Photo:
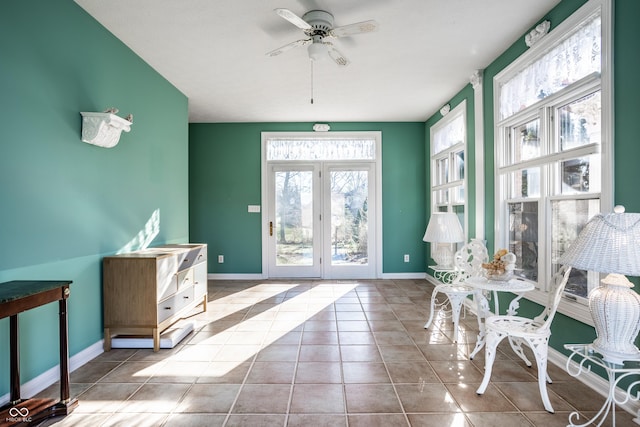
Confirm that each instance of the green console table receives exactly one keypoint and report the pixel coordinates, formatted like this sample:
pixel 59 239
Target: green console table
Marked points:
pixel 16 297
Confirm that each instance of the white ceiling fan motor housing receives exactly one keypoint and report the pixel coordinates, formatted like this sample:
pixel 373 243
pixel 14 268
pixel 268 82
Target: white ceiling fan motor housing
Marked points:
pixel 321 23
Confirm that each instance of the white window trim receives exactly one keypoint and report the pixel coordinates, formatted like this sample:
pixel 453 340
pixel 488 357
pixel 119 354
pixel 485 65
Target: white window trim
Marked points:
pixel 459 110
pixel 568 306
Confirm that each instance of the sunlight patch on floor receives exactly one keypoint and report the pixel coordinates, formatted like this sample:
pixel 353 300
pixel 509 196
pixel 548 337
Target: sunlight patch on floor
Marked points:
pixel 293 310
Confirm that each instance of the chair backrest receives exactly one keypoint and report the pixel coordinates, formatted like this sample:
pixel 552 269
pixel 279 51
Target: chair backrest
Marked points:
pixel 555 294
pixel 468 259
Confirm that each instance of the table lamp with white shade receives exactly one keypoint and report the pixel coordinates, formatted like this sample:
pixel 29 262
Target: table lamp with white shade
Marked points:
pixel 443 229
pixel 611 244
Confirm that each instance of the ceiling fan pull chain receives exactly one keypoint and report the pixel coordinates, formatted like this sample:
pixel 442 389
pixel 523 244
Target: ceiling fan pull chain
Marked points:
pixel 311 81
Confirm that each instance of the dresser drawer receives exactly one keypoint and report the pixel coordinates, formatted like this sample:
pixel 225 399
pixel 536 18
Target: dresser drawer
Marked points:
pixel 186 278
pixel 165 276
pixel 174 304
pixel 193 256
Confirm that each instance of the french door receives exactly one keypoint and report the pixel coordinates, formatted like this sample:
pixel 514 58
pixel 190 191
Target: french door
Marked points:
pixel 321 218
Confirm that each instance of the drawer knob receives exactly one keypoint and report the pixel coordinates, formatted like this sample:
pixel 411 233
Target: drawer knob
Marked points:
pixel 167 308
pixel 185 297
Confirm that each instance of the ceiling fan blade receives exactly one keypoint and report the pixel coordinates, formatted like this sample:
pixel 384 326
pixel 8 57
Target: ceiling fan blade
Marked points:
pixel 293 18
pixel 352 29
pixel 338 57
pixel 289 46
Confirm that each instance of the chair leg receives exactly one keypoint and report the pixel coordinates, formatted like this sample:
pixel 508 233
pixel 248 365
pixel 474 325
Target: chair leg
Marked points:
pixel 433 309
pixel 490 349
pixel 540 349
pixel 456 306
pixel 516 346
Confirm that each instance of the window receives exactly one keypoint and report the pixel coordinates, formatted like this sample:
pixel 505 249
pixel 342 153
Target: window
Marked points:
pixel 448 177
pixel 321 148
pixel 552 143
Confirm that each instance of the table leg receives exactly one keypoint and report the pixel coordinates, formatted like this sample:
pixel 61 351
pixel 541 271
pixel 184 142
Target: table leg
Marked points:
pixel 64 353
pixel 609 404
pixel 14 357
pixel 107 339
pixel 482 310
pixel 156 339
pixel 66 405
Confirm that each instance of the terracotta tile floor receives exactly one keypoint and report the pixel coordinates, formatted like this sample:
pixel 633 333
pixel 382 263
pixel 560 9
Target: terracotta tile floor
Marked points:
pixel 320 353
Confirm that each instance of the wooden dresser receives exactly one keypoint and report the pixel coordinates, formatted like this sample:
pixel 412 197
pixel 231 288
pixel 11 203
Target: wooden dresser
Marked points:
pixel 146 291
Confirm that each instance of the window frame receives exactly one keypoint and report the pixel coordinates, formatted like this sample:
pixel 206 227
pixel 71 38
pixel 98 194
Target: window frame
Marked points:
pixel 546 110
pixel 450 153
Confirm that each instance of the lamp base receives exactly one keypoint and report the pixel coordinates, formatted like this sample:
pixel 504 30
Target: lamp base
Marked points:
pixel 443 255
pixel 615 310
pixel 615 357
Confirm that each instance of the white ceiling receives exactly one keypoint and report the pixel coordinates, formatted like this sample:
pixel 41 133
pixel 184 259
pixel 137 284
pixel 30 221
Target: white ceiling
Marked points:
pixel 214 52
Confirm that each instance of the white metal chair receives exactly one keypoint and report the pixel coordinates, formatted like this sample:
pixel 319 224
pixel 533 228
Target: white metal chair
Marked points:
pixel 467 263
pixel 534 333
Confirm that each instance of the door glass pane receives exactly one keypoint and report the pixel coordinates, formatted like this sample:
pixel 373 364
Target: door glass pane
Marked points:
pixel 294 218
pixel 523 238
pixel 349 217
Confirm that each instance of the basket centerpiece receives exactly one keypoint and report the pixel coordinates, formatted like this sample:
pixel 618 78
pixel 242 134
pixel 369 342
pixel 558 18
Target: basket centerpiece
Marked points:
pixel 501 267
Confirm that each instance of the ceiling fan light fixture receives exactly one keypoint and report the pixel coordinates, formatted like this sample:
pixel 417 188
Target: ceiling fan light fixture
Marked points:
pixel 317 51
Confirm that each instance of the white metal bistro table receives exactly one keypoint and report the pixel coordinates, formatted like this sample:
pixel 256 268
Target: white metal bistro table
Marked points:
pixel 482 285
pixel 581 359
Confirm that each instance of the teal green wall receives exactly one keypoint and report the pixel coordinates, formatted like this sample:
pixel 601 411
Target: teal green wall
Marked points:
pixel 65 203
pixel 626 128
pixel 224 178
pixel 626 64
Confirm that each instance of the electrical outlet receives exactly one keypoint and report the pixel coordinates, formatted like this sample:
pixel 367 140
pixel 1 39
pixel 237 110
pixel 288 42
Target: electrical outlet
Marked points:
pixel 220 259
pixel 406 257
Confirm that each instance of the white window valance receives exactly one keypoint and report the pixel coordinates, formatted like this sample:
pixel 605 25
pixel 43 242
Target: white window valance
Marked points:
pixel 449 135
pixel 567 62
pixel 320 149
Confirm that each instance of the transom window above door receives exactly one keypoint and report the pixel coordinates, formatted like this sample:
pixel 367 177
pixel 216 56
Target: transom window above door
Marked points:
pixel 321 148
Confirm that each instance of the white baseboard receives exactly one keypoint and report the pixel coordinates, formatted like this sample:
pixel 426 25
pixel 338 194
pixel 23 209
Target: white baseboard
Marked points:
pixel 404 275
pixel 218 276
pixel 44 380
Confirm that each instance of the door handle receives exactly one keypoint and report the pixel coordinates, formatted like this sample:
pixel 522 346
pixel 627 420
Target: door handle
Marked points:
pixel 270 228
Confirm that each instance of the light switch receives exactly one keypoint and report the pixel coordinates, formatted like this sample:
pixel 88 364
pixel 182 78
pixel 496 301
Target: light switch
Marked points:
pixel 253 208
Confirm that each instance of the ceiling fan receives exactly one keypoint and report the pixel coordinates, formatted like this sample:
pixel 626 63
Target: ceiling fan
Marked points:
pixel 317 25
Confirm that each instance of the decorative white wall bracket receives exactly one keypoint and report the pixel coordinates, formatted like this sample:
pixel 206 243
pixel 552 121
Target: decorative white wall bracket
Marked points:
pixel 104 129
pixel 537 33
